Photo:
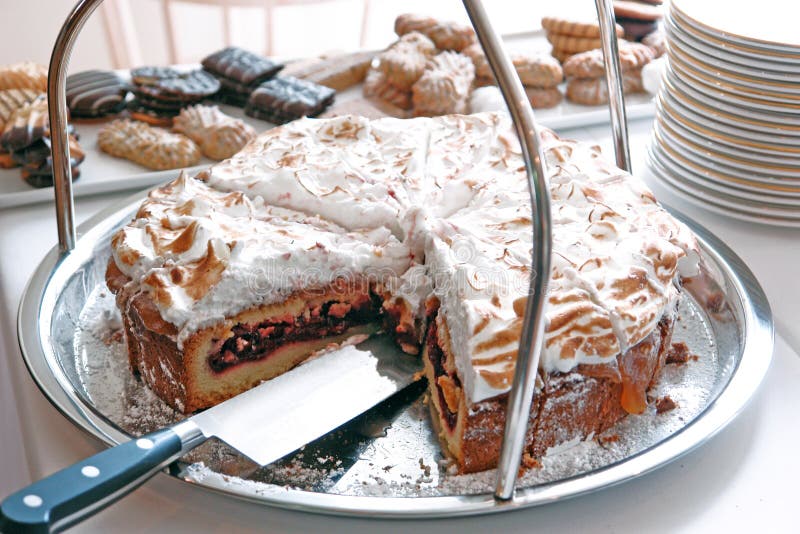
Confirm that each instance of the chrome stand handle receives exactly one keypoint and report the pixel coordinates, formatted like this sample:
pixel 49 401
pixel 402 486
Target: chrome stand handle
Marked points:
pixel 530 343
pixel 616 98
pixel 531 338
pixel 57 109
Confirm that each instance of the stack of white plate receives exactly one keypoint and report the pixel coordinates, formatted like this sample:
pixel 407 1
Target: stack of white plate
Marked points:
pixel 727 129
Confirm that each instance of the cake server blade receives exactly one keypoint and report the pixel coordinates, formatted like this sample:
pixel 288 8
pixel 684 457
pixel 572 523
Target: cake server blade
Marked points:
pixel 283 414
pixel 264 423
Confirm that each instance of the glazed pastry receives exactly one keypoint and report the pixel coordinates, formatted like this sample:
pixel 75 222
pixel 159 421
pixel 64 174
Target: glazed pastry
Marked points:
pixel 445 35
pixel 544 97
pixel 534 69
pixel 150 147
pixel 445 85
pixel 404 62
pixel 376 85
pixel 218 135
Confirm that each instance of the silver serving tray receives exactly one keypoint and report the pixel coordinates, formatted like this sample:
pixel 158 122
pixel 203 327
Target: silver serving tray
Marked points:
pixel 388 464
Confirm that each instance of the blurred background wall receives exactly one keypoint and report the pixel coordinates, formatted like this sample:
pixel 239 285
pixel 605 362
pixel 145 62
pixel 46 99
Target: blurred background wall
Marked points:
pixel 126 33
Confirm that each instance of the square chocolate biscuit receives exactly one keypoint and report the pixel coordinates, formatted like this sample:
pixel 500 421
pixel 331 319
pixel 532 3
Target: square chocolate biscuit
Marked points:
pixel 240 66
pixel 281 100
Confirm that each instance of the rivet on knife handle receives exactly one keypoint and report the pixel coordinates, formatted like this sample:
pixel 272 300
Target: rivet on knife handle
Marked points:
pixel 70 495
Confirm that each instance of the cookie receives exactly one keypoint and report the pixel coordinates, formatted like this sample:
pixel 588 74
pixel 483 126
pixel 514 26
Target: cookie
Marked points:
pixel 376 86
pixel 404 62
pixel 95 93
pixel 479 61
pixel 534 69
pixel 150 147
pixel 238 100
pixel 538 70
pixel 219 136
pixel 37 162
pixel 593 91
pixel 26 125
pixel 241 66
pixel 164 83
pixel 25 75
pixel 39 153
pixel 657 41
pixel 152 116
pixel 543 97
pixel 591 65
pixel 165 104
pixel 13 99
pixel 575 28
pixel 561 57
pixel 232 93
pixel 569 43
pixel 444 86
pixel 283 99
pixel 445 35
pixel 637 11
pixel 359 107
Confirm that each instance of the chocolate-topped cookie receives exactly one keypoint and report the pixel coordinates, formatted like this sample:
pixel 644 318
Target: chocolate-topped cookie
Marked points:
pixel 43 177
pixel 150 115
pixel 149 75
pixel 96 93
pixel 187 86
pixel 26 125
pixel 13 99
pixel 240 66
pixel 37 161
pixel 281 100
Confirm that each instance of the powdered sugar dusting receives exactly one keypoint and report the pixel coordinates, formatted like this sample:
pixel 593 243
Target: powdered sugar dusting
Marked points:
pixel 392 450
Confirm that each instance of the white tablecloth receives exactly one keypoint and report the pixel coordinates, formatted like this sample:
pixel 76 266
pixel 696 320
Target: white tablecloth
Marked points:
pixel 744 479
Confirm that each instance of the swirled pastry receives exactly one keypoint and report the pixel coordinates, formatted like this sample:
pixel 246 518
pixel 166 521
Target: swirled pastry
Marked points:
pixel 444 86
pixel 445 35
pixel 219 136
pixel 404 62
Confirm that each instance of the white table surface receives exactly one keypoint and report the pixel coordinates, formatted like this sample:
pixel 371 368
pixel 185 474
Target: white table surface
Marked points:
pixel 744 479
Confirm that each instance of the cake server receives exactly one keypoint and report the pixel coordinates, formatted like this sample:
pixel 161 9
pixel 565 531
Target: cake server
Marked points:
pixel 264 423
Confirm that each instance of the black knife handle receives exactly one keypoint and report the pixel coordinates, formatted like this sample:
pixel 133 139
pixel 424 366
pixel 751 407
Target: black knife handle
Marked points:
pixel 76 492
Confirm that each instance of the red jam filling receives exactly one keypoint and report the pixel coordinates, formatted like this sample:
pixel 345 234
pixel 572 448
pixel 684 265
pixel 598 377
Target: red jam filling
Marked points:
pixel 251 342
